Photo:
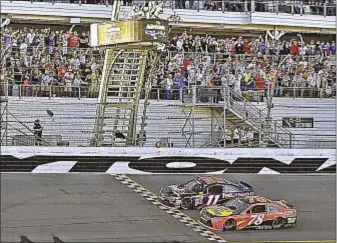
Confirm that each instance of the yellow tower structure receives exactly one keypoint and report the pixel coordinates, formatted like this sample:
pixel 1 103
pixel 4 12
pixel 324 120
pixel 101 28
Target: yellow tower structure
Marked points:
pixel 128 44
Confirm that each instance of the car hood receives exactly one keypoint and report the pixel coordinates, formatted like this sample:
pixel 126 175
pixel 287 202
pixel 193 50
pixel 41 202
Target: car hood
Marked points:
pixel 219 211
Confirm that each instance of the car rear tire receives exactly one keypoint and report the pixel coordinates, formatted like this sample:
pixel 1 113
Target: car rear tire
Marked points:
pixel 186 203
pixel 230 224
pixel 278 223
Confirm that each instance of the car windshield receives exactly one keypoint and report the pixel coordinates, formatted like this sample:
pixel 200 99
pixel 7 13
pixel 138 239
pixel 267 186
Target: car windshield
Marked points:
pixel 193 185
pixel 237 205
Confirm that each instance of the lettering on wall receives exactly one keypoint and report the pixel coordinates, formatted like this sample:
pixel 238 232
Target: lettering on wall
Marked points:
pixel 158 164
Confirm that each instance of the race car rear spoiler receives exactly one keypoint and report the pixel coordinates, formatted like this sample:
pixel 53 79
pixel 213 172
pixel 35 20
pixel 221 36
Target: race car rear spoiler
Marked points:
pixel 246 185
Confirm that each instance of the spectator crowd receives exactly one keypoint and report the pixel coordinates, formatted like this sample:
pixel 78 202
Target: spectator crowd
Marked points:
pixel 249 65
pixel 37 58
pixel 44 62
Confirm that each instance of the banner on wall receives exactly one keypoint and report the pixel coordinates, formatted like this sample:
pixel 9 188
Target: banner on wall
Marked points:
pixel 133 31
pixel 151 160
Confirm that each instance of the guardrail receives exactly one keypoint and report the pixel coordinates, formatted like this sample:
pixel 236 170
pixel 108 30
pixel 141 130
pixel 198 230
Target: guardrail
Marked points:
pixel 301 7
pixel 156 93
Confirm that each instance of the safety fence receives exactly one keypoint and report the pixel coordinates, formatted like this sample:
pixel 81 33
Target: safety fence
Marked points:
pixel 197 120
pixel 157 93
pixel 301 7
pixel 217 56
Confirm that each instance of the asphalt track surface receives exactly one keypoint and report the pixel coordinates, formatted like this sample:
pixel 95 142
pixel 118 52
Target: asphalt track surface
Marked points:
pixel 82 208
pixel 98 208
pixel 313 196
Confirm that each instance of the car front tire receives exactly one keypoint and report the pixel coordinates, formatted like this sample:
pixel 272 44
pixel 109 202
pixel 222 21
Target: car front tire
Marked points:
pixel 187 203
pixel 230 224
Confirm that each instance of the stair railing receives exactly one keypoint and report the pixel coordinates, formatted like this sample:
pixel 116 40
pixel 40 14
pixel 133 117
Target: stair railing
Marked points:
pixel 270 129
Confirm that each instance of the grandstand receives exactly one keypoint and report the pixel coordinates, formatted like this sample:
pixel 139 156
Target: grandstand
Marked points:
pixel 241 85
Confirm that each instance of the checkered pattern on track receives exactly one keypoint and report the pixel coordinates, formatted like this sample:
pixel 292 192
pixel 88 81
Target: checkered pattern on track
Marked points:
pixel 173 212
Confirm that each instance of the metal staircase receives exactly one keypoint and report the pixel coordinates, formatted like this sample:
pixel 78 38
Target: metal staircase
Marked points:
pixel 240 111
pixel 116 116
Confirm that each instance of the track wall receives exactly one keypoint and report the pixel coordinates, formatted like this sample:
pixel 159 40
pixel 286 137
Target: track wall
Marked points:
pixel 166 160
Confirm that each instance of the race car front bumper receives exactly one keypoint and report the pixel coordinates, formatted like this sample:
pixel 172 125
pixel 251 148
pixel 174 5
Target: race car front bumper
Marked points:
pixel 206 222
pixel 170 201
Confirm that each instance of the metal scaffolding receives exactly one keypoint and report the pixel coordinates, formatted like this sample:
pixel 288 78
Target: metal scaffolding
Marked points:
pixel 230 116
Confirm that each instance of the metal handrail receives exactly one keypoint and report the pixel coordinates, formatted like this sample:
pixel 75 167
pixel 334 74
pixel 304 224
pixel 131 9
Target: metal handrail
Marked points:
pixel 213 55
pixel 252 112
pixel 78 91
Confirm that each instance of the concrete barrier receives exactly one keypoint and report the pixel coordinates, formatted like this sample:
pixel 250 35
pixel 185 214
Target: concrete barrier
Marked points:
pixel 166 160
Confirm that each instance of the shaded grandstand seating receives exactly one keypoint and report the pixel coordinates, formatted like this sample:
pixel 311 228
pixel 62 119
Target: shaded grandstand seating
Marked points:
pixel 323 115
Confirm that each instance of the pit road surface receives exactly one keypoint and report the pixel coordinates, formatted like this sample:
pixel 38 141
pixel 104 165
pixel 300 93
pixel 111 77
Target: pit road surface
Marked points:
pixel 82 208
pixel 314 197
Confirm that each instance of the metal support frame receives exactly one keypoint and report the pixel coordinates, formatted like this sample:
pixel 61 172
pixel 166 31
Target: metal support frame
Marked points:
pixel 133 125
pixel 148 87
pixel 99 123
pixel 258 120
pixel 4 120
pixel 124 102
pixel 216 124
pixel 218 117
pixel 187 134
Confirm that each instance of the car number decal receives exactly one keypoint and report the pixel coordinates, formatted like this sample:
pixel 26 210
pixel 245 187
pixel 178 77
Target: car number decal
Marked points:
pixel 210 199
pixel 256 219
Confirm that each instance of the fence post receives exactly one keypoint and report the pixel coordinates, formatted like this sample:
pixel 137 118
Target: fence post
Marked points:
pixel 49 91
pixel 20 91
pixel 7 89
pixel 275 128
pixel 194 94
pixel 158 94
pixel 246 6
pixel 261 128
pixel 252 8
pixel 181 95
pixel 79 92
pixel 325 8
pixel 277 7
pixel 301 8
pixel 320 93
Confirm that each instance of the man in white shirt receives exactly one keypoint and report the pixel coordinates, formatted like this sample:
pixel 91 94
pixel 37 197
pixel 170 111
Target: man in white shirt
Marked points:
pixel 23 48
pixel 68 80
pixel 168 83
pixel 191 73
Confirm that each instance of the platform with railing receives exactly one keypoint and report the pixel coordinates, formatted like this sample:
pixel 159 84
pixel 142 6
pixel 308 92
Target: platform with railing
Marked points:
pixel 302 7
pixel 156 93
pixel 311 17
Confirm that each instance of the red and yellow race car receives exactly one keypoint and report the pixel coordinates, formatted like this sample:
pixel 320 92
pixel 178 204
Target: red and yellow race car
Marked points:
pixel 250 212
